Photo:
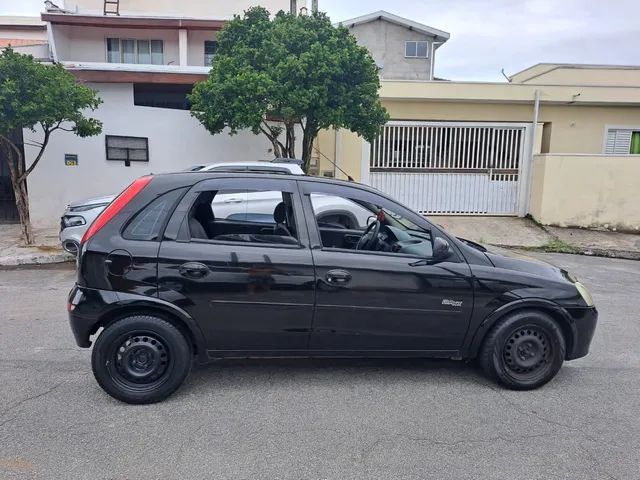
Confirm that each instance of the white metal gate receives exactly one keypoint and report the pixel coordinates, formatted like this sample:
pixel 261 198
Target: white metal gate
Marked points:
pixel 449 168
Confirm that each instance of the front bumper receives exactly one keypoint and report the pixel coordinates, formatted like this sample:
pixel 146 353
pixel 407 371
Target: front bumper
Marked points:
pixel 583 326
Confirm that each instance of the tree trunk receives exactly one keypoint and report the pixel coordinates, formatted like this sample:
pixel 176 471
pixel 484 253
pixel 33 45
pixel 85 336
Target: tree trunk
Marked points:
pixel 14 162
pixel 291 140
pixel 310 134
pixel 22 204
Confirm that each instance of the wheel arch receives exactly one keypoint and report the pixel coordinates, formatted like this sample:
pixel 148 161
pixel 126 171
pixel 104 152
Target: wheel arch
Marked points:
pixel 177 318
pixel 555 311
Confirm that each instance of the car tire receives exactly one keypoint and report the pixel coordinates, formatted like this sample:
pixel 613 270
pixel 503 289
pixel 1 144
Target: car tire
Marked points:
pixel 141 359
pixel 523 351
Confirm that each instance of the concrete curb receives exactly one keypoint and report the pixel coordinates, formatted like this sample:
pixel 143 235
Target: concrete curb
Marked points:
pixel 28 259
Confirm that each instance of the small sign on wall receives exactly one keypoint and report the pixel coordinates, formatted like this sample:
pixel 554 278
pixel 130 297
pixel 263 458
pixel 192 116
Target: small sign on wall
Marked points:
pixel 70 160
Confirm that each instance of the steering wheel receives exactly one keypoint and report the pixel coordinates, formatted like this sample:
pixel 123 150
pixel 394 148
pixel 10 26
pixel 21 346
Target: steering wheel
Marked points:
pixel 369 238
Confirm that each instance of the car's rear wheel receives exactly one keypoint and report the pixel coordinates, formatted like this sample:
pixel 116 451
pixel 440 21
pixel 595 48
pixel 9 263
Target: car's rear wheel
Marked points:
pixel 524 350
pixel 141 359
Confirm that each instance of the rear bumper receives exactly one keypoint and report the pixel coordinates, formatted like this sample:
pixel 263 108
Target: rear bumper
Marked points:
pixel 86 306
pixel 583 327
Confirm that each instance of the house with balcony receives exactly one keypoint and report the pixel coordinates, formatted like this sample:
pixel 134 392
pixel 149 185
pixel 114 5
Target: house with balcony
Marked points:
pixel 143 58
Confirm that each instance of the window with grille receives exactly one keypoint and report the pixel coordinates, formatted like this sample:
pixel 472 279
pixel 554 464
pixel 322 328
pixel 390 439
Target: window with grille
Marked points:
pixel 127 149
pixel 622 141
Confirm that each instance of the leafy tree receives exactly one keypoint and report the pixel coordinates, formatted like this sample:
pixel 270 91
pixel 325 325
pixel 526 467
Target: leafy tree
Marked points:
pixel 275 75
pixel 38 97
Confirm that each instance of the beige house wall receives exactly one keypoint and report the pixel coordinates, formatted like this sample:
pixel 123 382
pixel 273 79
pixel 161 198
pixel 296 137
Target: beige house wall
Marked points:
pixel 326 143
pixel 13 34
pixel 567 128
pixel 586 191
pixel 550 74
pixel 572 182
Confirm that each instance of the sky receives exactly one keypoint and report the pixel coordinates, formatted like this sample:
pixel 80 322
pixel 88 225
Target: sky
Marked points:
pixel 490 35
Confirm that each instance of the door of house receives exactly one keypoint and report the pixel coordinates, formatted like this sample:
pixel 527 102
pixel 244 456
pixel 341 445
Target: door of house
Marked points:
pixel 451 168
pixel 8 210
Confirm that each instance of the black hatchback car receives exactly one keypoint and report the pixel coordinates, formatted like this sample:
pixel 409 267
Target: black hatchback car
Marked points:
pixel 208 266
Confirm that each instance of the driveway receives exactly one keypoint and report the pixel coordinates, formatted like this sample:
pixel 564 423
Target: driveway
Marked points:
pixel 414 419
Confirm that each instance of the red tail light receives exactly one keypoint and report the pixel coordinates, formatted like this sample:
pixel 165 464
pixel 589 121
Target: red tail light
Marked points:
pixel 115 207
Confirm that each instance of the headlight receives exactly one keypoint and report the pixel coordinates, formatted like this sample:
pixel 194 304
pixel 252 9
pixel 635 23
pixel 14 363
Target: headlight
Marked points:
pixel 73 221
pixel 586 296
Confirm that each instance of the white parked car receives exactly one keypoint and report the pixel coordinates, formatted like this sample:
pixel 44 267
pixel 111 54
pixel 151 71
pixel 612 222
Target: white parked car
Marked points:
pixel 255 207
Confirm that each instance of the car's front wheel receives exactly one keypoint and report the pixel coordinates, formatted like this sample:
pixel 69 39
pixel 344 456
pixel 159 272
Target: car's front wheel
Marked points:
pixel 141 359
pixel 524 350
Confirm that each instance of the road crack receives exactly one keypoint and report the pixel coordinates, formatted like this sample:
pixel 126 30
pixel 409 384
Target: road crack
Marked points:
pixel 28 399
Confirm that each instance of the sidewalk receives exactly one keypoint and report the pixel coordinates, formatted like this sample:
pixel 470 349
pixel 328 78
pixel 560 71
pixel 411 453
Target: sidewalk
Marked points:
pixel 512 232
pixel 508 232
pixel 46 251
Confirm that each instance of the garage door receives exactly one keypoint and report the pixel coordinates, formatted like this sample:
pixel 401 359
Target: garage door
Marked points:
pixel 451 168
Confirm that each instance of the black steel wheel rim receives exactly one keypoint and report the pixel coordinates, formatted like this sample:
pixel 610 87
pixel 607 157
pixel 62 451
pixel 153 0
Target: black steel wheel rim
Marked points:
pixel 140 361
pixel 527 352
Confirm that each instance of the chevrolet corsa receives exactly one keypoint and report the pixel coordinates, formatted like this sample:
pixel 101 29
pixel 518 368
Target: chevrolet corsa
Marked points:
pixel 168 275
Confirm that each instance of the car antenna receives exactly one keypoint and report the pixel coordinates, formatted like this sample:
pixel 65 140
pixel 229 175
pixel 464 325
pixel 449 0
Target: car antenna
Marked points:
pixel 349 177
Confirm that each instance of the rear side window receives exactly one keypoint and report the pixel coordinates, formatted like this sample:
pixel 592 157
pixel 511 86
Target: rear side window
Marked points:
pixel 149 221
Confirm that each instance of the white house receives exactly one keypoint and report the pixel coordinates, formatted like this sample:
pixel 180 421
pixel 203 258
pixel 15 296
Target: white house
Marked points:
pixel 142 57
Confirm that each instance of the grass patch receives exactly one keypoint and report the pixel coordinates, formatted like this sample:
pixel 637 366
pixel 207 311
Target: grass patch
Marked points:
pixel 559 246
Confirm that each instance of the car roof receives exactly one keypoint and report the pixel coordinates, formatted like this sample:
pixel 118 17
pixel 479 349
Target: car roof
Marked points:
pixel 275 167
pixel 197 177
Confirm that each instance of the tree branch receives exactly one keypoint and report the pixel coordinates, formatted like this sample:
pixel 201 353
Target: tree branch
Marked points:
pixel 274 139
pixel 47 133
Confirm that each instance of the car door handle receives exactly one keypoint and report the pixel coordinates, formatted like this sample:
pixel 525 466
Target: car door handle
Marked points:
pixel 194 270
pixel 233 200
pixel 338 277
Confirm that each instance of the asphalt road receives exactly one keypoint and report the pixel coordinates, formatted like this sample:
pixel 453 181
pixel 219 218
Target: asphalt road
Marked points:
pixel 315 420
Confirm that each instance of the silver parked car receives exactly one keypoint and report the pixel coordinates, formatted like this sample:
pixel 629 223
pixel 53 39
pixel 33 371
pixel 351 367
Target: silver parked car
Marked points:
pixel 79 215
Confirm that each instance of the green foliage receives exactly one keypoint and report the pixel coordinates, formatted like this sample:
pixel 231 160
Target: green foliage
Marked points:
pixel 32 94
pixel 300 70
pixel 560 246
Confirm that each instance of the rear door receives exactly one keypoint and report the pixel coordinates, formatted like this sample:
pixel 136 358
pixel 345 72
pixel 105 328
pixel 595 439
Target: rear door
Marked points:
pixel 253 296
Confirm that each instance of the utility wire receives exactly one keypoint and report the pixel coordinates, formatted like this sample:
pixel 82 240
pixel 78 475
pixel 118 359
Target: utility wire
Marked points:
pixel 349 177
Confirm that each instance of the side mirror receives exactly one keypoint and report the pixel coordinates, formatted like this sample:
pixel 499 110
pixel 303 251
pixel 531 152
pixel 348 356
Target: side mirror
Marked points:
pixel 371 219
pixel 441 250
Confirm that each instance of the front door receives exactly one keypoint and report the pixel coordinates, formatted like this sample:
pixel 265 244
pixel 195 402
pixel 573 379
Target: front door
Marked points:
pixel 248 280
pixel 383 296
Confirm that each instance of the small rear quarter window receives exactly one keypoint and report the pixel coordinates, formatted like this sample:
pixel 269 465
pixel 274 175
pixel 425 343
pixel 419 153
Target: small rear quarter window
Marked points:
pixel 148 222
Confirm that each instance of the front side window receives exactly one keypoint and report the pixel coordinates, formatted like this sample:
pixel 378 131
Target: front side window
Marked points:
pixel 244 216
pixel 146 52
pixel 415 49
pixel 356 225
